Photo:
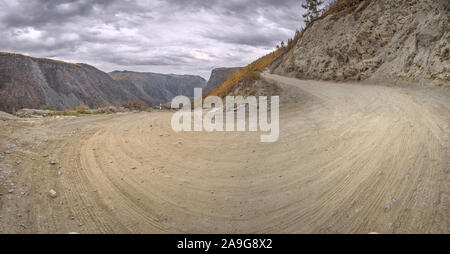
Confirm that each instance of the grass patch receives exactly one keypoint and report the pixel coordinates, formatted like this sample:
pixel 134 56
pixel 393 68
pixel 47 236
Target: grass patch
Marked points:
pixel 69 113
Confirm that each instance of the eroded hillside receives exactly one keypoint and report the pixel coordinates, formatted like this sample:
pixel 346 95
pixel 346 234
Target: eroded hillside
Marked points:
pixel 28 82
pixel 404 41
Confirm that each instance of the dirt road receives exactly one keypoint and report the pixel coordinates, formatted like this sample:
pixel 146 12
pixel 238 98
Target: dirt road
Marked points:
pixel 351 158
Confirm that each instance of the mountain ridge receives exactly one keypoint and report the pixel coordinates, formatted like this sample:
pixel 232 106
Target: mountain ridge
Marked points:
pixel 32 82
pixel 157 88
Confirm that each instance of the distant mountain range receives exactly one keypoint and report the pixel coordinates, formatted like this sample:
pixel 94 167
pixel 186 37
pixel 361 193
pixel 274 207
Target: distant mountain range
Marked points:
pixel 29 82
pixel 155 88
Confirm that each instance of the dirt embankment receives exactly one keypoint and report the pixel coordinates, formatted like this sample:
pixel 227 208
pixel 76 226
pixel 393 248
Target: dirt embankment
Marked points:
pixel 377 160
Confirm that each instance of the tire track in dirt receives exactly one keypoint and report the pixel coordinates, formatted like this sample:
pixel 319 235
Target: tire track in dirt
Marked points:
pixel 351 158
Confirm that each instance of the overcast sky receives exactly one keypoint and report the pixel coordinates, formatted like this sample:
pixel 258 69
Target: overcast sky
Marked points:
pixel 166 36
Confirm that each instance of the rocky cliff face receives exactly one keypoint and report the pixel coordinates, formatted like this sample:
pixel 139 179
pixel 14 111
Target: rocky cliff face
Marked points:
pixel 403 41
pixel 27 82
pixel 154 88
pixel 218 76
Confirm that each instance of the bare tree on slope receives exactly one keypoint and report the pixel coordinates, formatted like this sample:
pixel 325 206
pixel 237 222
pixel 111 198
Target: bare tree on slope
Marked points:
pixel 312 10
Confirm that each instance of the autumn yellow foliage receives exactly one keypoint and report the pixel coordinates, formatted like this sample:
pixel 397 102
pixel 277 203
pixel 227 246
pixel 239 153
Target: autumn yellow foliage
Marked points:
pixel 250 72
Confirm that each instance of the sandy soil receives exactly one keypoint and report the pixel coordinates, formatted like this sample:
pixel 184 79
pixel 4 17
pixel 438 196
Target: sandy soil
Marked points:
pixel 351 158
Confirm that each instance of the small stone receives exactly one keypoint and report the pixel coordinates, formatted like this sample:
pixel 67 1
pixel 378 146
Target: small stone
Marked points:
pixel 46 156
pixel 133 168
pixel 11 191
pixel 59 173
pixel 18 162
pixel 52 193
pixel 73 233
pixel 387 207
pixel 53 162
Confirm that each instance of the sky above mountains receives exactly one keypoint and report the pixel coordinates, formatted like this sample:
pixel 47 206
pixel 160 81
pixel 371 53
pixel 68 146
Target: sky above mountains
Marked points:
pixel 167 36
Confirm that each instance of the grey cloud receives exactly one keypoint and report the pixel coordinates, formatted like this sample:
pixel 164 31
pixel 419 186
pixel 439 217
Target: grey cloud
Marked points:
pixel 41 12
pixel 246 38
pixel 172 36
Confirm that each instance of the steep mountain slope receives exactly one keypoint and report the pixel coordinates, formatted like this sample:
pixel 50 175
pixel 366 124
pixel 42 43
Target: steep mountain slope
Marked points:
pixel 244 78
pixel 218 76
pixel 27 82
pixel 404 41
pixel 154 88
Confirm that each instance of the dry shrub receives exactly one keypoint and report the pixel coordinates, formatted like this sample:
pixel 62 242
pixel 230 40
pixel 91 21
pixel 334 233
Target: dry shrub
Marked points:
pixel 82 109
pixel 135 105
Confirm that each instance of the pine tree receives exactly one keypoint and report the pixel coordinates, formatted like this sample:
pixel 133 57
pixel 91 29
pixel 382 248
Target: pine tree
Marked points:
pixel 312 10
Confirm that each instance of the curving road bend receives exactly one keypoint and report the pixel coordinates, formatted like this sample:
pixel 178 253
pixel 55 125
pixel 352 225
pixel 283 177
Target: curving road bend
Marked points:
pixel 351 158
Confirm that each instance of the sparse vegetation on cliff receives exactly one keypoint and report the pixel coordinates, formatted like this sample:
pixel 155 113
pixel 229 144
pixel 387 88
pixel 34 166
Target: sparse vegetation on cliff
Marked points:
pixel 250 72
